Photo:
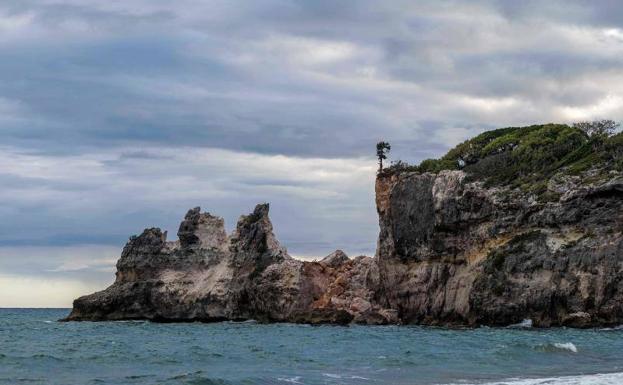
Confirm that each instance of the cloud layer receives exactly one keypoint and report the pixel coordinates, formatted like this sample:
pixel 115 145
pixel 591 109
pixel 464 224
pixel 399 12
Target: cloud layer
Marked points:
pixel 120 115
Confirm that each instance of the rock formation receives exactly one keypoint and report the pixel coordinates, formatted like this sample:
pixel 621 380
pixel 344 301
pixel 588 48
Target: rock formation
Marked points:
pixel 208 276
pixel 455 253
pixel 453 249
pixel 450 252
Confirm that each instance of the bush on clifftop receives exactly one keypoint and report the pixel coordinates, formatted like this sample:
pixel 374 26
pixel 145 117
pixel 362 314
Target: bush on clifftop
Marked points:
pixel 526 156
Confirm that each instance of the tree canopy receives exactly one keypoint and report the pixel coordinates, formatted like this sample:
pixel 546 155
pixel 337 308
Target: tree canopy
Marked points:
pixel 382 148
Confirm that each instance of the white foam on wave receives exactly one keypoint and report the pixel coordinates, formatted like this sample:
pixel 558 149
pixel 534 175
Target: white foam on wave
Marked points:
pixel 331 375
pixel 591 379
pixel 620 327
pixel 291 380
pixel 343 376
pixel 527 323
pixel 557 347
pixel 566 346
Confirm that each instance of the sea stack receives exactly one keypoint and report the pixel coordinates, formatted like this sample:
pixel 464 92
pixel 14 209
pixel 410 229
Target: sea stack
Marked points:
pixel 209 276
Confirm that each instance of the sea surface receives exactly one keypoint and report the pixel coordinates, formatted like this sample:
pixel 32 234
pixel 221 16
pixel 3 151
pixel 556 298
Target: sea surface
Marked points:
pixel 36 349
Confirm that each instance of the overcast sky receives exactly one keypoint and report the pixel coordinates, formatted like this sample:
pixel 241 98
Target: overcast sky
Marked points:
pixel 119 115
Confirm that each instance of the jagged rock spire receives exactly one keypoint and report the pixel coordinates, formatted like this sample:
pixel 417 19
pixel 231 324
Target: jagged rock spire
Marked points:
pixel 202 230
pixel 335 259
pixel 254 232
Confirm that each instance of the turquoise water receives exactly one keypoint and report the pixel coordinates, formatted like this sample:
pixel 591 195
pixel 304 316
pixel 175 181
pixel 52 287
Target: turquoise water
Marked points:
pixel 35 349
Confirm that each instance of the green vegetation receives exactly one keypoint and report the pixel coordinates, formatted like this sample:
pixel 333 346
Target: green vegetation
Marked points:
pixel 526 157
pixel 382 148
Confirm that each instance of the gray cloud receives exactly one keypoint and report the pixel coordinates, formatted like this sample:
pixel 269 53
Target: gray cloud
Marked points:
pixel 289 75
pixel 105 196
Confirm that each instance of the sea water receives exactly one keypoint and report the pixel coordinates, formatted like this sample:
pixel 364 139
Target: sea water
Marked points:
pixel 36 349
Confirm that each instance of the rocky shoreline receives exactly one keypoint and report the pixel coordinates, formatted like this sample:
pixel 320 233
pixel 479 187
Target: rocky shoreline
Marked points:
pixel 450 252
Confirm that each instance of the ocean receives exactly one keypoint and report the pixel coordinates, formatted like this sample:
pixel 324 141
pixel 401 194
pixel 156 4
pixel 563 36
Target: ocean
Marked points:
pixel 36 349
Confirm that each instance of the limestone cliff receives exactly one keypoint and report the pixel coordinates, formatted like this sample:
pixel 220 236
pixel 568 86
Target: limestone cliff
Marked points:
pixel 515 224
pixel 452 252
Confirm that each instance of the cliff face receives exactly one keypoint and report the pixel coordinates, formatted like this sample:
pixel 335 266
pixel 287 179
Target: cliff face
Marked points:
pixel 452 252
pixel 210 276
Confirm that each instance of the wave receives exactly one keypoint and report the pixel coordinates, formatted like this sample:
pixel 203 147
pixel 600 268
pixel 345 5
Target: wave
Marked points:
pixel 590 379
pixel 291 380
pixel 342 376
pixel 525 324
pixel 615 328
pixel 197 378
pixel 44 356
pixel 558 347
pixel 566 346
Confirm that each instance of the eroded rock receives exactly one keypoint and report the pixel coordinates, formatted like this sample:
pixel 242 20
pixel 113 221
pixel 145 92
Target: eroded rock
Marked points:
pixel 208 276
pixel 455 253
pixel 449 252
pixel 335 259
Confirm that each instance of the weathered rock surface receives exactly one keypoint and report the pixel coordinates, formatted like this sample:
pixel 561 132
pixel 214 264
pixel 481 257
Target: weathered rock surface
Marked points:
pixel 208 276
pixel 450 252
pixel 455 253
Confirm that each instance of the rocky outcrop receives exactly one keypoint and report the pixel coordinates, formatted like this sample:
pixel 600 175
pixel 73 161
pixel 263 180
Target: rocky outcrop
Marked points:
pixel 335 259
pixel 455 253
pixel 449 252
pixel 209 276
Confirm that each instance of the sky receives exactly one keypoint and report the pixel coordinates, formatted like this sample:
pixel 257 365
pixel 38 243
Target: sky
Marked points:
pixel 121 115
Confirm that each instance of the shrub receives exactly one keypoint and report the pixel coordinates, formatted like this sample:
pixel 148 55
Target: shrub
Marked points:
pixel 527 157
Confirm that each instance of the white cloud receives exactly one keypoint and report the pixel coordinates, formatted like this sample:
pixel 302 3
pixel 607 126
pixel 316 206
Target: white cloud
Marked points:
pixel 305 51
pixel 453 134
pixel 26 291
pixel 615 33
pixel 53 276
pixel 162 174
pixel 610 105
pixel 38 260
